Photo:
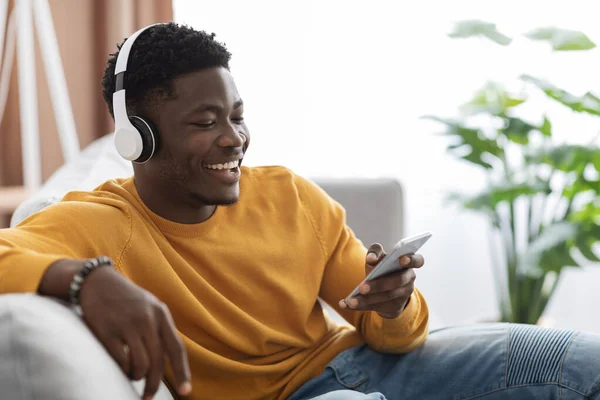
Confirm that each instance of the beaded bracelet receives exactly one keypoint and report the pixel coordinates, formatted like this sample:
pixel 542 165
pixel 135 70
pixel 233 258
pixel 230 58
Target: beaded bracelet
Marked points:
pixel 77 282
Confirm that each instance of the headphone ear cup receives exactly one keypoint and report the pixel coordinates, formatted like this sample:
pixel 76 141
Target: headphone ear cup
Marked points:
pixel 148 138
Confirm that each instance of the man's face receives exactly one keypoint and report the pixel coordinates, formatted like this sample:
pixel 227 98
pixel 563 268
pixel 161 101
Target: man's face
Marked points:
pixel 202 139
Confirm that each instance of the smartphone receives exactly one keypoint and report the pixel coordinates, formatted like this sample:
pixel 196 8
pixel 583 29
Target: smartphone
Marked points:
pixel 391 263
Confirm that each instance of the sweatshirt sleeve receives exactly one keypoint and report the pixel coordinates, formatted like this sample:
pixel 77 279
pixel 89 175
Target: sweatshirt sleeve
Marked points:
pixel 67 230
pixel 344 257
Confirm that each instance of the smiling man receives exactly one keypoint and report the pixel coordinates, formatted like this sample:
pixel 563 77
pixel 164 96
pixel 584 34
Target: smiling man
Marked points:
pixel 217 268
pixel 202 143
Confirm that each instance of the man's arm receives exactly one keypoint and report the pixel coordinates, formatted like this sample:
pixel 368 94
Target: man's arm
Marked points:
pixel 64 231
pixel 345 268
pixel 46 251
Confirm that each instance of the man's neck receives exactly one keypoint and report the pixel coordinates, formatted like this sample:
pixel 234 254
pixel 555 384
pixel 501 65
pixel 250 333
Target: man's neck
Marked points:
pixel 173 209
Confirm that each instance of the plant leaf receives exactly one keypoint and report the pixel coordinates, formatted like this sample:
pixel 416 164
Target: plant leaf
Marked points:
pixel 584 244
pixel 580 185
pixel 492 98
pixel 540 34
pixel 511 192
pixel 596 160
pixel 475 156
pixel 476 28
pixel 549 251
pixel 469 141
pixel 567 157
pixel 517 130
pixel 489 199
pixel 588 103
pixel 479 203
pixel 442 120
pixel 557 258
pixel 562 39
pixel 546 128
pixel 588 214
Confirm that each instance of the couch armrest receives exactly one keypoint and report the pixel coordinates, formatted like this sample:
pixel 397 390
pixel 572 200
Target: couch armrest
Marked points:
pixel 47 352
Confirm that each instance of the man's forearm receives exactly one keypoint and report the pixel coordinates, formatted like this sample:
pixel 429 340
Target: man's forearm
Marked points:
pixel 21 270
pixel 55 282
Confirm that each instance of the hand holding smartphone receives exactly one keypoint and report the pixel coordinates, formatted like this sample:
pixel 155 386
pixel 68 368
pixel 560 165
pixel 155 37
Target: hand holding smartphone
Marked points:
pixel 390 262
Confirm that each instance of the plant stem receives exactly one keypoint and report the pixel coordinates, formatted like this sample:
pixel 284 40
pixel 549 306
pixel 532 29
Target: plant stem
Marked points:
pixel 518 289
pixel 501 293
pixel 530 219
pixel 568 209
pixel 510 242
pixel 556 215
pixel 535 309
pixel 511 284
pixel 539 223
pixel 546 298
pixel 544 203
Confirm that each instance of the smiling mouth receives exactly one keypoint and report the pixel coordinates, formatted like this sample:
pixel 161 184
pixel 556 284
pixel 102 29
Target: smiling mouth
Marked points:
pixel 231 165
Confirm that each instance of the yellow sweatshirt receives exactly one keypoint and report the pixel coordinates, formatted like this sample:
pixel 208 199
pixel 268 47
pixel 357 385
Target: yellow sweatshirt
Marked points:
pixel 242 286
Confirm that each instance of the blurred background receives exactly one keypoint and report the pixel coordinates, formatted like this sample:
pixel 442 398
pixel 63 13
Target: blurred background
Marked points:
pixel 340 88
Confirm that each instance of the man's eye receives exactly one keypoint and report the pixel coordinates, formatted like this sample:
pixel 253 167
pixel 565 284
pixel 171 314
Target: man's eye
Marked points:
pixel 239 120
pixel 204 124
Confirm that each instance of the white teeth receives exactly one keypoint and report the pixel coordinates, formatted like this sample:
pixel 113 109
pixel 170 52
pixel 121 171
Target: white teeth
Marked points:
pixel 228 165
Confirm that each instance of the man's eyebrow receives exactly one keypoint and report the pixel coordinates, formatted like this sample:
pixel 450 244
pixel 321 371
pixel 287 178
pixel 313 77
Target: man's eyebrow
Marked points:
pixel 213 107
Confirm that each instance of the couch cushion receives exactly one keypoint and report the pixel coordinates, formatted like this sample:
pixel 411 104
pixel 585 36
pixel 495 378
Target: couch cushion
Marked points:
pixel 48 353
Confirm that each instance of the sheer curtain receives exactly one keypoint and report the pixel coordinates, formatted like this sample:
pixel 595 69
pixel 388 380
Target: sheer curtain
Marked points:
pixel 336 88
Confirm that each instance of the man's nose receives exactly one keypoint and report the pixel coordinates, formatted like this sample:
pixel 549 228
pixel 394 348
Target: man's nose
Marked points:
pixel 232 136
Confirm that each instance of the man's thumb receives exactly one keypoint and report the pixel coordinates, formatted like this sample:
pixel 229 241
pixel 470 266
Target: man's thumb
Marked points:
pixel 374 255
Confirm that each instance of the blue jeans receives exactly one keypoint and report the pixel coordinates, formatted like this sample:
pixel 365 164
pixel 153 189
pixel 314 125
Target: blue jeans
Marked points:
pixel 484 361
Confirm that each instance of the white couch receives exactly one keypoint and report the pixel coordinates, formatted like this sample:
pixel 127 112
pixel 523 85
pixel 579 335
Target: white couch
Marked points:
pixel 48 353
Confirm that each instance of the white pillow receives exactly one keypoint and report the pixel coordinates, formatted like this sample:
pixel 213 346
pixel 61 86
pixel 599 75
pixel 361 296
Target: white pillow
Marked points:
pixel 48 353
pixel 96 164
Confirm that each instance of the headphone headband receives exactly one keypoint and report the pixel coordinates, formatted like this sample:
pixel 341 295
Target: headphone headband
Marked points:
pixel 129 140
pixel 123 56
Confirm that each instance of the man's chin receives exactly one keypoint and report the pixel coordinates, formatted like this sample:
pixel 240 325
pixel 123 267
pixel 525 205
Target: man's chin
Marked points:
pixel 225 202
pixel 216 200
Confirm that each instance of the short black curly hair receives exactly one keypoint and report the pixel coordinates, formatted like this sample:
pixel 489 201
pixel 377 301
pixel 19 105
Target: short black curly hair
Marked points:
pixel 159 55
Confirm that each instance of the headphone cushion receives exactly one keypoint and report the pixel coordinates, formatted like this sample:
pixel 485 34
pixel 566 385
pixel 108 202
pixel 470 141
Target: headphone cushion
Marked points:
pixel 148 137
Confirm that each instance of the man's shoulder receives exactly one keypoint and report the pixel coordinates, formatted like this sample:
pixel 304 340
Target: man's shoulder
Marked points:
pixel 110 194
pixel 279 182
pixel 273 178
pixel 267 173
pixel 104 205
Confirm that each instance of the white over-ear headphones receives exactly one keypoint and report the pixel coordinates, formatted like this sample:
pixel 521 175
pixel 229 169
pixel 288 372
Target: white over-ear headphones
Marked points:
pixel 134 138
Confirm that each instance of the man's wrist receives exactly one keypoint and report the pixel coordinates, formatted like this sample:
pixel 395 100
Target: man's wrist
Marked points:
pixel 57 278
pixel 397 314
pixel 80 277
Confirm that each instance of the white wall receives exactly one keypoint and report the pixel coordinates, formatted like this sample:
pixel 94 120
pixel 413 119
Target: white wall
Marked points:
pixel 336 88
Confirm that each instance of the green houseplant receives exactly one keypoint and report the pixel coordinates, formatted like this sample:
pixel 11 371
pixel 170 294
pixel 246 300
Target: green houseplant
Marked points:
pixel 542 197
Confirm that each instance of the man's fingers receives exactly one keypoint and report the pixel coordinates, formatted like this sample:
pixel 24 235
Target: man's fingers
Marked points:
pixel 176 353
pixel 412 261
pixel 365 301
pixel 388 303
pixel 375 254
pixel 157 363
pixel 119 351
pixel 139 359
pixel 389 282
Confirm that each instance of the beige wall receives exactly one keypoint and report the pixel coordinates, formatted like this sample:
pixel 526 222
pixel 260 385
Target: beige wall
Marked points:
pixel 87 31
